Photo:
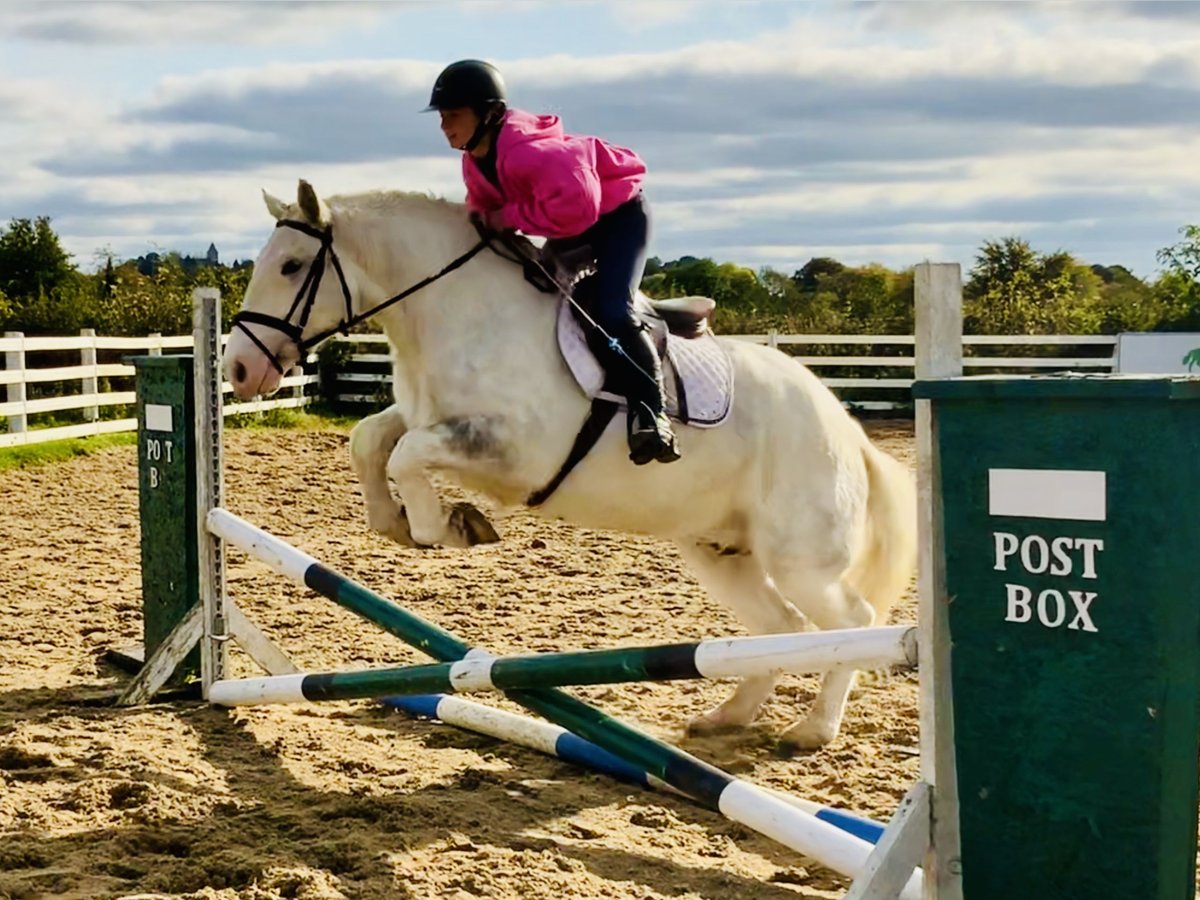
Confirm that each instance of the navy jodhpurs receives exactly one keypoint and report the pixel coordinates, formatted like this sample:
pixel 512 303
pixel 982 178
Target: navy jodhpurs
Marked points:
pixel 618 242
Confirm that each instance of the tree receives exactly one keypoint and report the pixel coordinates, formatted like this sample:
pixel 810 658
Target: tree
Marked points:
pixel 1183 258
pixel 110 278
pixel 1125 302
pixel 1015 290
pixel 692 276
pixel 140 304
pixel 32 260
pixel 1177 291
pixel 808 276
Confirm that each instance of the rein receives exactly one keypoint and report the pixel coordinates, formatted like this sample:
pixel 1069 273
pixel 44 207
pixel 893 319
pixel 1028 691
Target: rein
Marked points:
pixel 307 295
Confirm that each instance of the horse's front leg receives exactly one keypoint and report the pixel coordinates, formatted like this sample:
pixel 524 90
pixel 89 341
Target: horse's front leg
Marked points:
pixel 371 443
pixel 453 444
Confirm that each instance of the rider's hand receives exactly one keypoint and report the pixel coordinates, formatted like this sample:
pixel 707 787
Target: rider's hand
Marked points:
pixel 490 219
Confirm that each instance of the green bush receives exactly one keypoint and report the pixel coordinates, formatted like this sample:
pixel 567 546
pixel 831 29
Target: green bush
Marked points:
pixel 1010 288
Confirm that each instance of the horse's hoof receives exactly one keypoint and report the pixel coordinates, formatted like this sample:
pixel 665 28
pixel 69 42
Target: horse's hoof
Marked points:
pixel 807 735
pixel 471 526
pixel 395 527
pixel 711 724
pixel 786 749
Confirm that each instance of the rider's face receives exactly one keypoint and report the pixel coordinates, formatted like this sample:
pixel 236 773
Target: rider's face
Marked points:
pixel 458 125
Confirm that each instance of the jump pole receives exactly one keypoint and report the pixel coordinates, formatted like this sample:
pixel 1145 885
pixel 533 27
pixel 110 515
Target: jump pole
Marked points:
pixel 733 797
pixel 858 648
pixel 556 741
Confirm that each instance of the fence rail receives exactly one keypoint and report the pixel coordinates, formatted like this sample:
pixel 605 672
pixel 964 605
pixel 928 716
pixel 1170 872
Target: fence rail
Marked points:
pixel 87 385
pixel 45 375
pixel 368 373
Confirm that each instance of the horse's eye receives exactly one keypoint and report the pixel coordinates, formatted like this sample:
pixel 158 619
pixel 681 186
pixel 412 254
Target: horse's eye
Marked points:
pixel 291 267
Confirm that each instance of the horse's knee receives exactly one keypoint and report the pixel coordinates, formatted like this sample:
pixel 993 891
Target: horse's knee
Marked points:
pixel 411 455
pixel 373 439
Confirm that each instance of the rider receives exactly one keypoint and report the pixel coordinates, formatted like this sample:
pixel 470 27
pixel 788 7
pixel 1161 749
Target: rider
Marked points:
pixel 523 172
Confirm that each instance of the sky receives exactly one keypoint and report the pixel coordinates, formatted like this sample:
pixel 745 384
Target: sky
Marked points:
pixel 774 132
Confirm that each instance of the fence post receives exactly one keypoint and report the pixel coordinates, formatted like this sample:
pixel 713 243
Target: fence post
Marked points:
pixel 773 339
pixel 298 389
pixel 937 352
pixel 14 361
pixel 91 383
pixel 156 344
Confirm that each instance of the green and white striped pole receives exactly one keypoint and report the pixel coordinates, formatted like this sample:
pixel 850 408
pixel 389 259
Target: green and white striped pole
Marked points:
pixel 858 648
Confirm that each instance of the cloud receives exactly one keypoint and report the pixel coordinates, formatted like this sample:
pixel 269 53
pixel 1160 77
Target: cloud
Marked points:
pixel 238 119
pixel 115 23
pixel 354 112
pixel 1157 10
pixel 651 14
pixel 897 241
pixel 883 15
pixel 37 100
pixel 135 214
pixel 903 125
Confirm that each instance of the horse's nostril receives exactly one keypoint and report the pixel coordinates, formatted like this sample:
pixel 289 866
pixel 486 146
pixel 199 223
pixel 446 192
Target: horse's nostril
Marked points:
pixel 239 372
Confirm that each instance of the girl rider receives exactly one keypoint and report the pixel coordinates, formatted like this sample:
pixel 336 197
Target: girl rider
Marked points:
pixel 522 172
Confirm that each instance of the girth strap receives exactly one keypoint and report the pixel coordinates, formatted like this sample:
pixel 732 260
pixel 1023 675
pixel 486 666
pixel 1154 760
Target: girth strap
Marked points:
pixel 599 416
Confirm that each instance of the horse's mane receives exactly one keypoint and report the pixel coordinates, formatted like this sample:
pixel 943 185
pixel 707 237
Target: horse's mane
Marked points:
pixel 379 201
pixel 377 211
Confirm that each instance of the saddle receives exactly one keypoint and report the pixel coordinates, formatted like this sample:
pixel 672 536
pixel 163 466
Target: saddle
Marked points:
pixel 697 369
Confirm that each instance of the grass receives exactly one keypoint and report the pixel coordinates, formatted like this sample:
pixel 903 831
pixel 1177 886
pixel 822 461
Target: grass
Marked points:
pixel 313 419
pixel 61 451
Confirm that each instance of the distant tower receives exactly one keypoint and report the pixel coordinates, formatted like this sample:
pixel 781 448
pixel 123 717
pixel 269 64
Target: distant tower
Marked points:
pixel 213 258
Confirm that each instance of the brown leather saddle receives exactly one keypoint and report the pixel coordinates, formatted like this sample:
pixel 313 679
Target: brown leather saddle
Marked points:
pixel 697 369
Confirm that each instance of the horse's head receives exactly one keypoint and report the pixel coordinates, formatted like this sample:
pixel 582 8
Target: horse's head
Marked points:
pixel 299 294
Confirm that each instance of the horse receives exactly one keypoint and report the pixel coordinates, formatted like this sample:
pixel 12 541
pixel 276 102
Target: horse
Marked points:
pixel 787 512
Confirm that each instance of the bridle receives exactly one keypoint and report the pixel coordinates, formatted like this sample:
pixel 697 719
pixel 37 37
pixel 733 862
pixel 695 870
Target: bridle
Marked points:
pixel 307 295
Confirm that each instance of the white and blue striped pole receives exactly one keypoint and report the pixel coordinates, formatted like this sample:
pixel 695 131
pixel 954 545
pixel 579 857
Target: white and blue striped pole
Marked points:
pixel 556 741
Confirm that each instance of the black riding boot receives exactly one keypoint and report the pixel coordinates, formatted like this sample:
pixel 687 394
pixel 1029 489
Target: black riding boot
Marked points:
pixel 650 434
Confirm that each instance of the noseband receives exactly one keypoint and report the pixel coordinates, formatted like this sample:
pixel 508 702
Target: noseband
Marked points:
pixel 307 295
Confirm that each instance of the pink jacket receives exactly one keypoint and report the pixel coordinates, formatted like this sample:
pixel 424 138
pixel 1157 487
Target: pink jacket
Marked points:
pixel 555 185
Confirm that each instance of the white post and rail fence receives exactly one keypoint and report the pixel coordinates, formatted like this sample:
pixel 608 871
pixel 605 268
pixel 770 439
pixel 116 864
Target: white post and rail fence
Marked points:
pixel 65 387
pixel 83 379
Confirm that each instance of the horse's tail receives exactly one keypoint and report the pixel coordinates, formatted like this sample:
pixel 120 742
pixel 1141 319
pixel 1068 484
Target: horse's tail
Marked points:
pixel 884 567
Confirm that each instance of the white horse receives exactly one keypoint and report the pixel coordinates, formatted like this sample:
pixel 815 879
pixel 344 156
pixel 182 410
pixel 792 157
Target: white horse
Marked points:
pixel 786 513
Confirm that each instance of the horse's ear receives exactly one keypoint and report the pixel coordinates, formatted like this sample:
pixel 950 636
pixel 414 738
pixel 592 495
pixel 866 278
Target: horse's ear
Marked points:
pixel 314 209
pixel 276 207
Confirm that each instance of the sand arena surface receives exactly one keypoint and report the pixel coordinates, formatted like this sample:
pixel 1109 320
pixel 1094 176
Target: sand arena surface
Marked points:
pixel 350 800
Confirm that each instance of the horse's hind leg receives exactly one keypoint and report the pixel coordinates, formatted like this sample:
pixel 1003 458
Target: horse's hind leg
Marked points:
pixel 738 581
pixel 829 603
pixel 371 443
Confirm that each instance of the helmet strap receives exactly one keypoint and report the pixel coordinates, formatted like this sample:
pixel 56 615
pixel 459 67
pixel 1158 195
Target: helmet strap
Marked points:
pixel 486 121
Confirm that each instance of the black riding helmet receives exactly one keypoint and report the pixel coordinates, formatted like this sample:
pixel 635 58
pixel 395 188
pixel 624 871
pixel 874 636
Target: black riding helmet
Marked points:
pixel 473 83
pixel 468 82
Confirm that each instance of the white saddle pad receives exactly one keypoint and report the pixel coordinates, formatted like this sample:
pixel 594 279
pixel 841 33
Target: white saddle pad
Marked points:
pixel 697 373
